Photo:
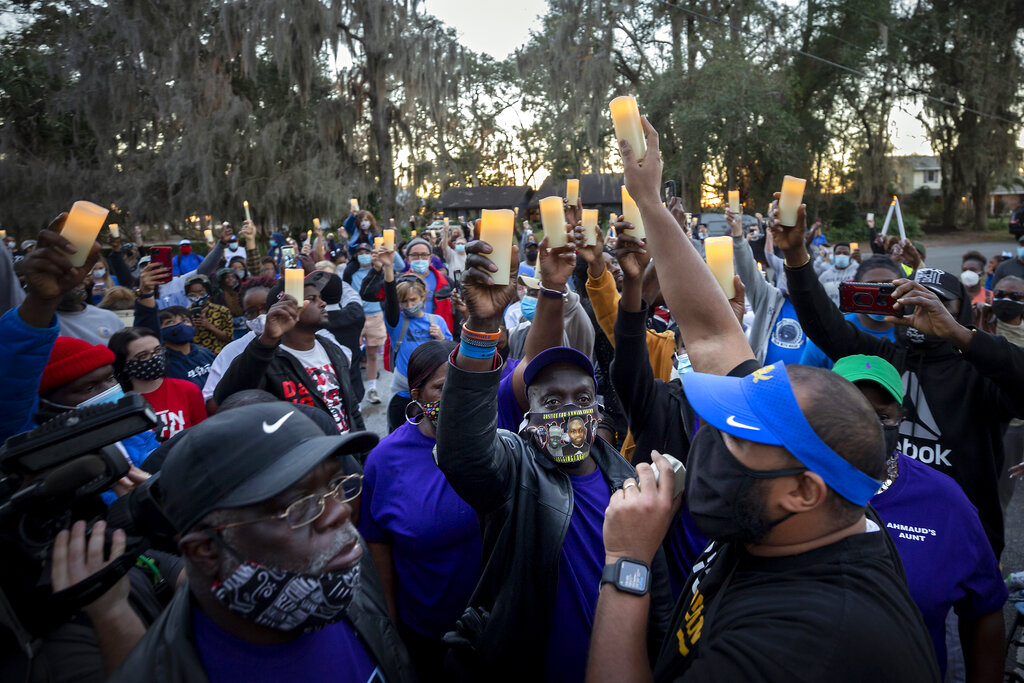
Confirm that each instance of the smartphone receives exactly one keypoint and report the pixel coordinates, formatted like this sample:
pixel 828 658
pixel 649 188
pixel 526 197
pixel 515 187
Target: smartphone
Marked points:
pixel 162 255
pixel 868 297
pixel 668 190
pixel 288 256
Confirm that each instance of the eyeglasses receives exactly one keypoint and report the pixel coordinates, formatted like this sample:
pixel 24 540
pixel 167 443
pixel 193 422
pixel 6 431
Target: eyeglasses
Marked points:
pixel 308 509
pixel 1013 296
pixel 252 313
pixel 147 355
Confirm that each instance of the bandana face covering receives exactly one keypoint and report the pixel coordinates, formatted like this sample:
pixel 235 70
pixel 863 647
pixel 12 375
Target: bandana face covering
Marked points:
pixel 564 434
pixel 285 600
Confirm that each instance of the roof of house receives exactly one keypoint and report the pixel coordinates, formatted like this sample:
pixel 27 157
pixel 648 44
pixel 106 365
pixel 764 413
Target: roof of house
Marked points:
pixel 486 197
pixel 919 162
pixel 595 188
pixel 1016 187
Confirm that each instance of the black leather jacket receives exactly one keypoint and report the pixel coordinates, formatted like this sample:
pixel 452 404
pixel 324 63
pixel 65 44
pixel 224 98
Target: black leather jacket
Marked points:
pixel 167 653
pixel 525 504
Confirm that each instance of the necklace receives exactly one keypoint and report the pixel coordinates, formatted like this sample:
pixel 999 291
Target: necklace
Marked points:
pixel 892 471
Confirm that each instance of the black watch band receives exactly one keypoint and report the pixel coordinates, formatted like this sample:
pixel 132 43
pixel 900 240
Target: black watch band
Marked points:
pixel 628 576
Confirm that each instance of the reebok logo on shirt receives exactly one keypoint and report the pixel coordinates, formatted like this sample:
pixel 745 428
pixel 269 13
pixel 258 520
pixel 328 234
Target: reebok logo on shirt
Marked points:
pixel 921 424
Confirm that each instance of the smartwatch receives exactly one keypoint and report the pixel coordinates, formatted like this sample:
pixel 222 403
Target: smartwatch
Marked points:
pixel 628 576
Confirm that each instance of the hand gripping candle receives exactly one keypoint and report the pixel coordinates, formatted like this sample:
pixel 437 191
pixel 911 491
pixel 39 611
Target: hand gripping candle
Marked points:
pixel 718 252
pixel 590 226
pixel 631 213
pixel 572 191
pixel 734 201
pixel 552 215
pixel 496 229
pixel 293 286
pixel 790 199
pixel 81 228
pixel 626 119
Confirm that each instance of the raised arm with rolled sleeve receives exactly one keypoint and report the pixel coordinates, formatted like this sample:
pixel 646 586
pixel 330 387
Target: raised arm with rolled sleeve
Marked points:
pixel 210 262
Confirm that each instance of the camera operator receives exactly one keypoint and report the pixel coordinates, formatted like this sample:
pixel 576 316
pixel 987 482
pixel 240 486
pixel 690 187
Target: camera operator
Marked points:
pixel 43 637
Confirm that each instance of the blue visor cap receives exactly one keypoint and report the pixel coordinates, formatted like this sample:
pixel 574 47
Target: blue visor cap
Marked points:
pixel 761 407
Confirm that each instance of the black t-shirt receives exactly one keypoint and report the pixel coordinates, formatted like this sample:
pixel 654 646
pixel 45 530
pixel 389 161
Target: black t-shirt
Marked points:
pixel 837 613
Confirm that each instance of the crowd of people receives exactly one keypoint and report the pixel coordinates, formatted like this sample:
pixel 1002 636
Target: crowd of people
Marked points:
pixel 603 470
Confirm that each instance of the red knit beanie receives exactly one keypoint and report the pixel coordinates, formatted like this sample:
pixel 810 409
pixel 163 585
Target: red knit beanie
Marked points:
pixel 70 359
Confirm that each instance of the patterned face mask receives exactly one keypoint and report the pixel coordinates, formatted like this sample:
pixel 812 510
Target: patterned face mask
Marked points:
pixel 152 368
pixel 286 600
pixel 564 434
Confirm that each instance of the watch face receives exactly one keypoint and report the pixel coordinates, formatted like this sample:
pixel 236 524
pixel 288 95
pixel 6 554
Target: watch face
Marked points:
pixel 633 576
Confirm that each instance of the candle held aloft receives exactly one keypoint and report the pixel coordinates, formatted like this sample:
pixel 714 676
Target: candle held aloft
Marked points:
pixel 572 191
pixel 316 222
pixel 208 234
pixel 114 230
pixel 552 215
pixel 414 233
pixel 293 286
pixel 734 201
pixel 496 228
pixel 614 218
pixel 631 214
pixel 245 205
pixel 854 246
pixel 790 199
pixel 353 204
pixel 81 228
pixel 389 239
pixel 626 119
pixel 446 221
pixel 718 252
pixel 378 242
pixel 590 226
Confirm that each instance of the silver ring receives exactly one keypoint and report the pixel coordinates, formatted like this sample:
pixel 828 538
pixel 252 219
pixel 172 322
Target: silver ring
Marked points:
pixel 628 484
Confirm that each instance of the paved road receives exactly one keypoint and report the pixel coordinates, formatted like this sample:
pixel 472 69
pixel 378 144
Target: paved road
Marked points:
pixel 947 256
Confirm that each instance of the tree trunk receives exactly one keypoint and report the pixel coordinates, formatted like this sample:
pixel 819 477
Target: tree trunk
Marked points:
pixel 380 130
pixel 979 195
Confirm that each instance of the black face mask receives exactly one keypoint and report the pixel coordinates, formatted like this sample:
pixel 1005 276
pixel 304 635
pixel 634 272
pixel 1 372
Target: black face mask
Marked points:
pixel 891 434
pixel 720 491
pixel 1007 309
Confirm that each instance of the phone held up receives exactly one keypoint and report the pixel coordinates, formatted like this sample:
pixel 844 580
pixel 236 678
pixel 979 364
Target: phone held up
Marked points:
pixel 869 297
pixel 288 256
pixel 162 255
pixel 668 190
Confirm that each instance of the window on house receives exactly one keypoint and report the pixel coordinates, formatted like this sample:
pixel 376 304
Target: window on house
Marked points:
pixel 931 176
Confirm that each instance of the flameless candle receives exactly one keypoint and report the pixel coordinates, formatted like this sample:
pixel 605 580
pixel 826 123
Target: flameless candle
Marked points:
pixel 378 242
pixel 446 221
pixel 789 201
pixel 209 235
pixel 353 204
pixel 316 222
pixel 552 215
pixel 626 119
pixel 871 217
pixel 114 230
pixel 413 233
pixel 734 201
pixel 631 214
pixel 718 252
pixel 245 205
pixel 854 246
pixel 293 286
pixel 81 227
pixel 572 191
pixel 496 229
pixel 590 226
pixel 3 234
pixel 614 218
pixel 389 239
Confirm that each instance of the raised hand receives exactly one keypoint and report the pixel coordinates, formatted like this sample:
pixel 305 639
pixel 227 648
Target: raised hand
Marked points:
pixel 632 256
pixel 929 316
pixel 789 240
pixel 281 318
pixel 383 257
pixel 738 302
pixel 734 221
pixel 573 213
pixel 226 234
pixel 555 266
pixel 643 178
pixel 592 254
pixel 486 301
pixel 152 275
pixel 638 517
pixel 675 207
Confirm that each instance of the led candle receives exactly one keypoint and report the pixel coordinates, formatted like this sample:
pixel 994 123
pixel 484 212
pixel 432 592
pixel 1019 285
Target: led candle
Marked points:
pixel 353 204
pixel 389 239
pixel 626 119
pixel 316 222
pixel 81 227
pixel 3 234
pixel 293 286
pixel 614 218
pixel 590 226
pixel 309 235
pixel 871 217
pixel 208 234
pixel 552 215
pixel 572 191
pixel 446 221
pixel 854 246
pixel 413 233
pixel 378 242
pixel 789 201
pixel 718 252
pixel 245 205
pixel 734 201
pixel 631 214
pixel 114 230
pixel 496 229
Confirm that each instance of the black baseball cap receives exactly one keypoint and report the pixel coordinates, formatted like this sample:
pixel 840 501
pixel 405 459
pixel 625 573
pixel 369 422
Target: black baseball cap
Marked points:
pixel 246 456
pixel 944 285
pixel 557 354
pixel 328 284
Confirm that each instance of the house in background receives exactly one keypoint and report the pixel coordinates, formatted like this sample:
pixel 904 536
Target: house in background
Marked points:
pixel 470 201
pixel 1009 196
pixel 915 172
pixel 601 191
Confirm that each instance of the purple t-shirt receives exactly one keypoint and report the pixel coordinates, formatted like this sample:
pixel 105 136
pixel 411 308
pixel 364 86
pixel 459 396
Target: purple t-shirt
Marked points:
pixel 434 534
pixel 945 553
pixel 579 580
pixel 509 414
pixel 334 653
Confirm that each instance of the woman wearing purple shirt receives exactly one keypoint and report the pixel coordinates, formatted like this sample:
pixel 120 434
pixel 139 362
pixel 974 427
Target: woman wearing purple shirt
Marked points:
pixel 424 539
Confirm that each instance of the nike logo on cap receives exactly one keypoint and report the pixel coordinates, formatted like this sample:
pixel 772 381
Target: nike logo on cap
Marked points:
pixel 270 429
pixel 731 421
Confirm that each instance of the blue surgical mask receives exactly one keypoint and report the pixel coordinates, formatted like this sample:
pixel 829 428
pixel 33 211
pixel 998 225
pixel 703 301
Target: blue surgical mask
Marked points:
pixel 879 317
pixel 111 395
pixel 273 243
pixel 461 248
pixel 420 267
pixel 842 260
pixel 364 259
pixel 1020 252
pixel 529 306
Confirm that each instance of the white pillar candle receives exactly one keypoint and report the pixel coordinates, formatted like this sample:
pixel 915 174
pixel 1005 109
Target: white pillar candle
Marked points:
pixel 293 285
pixel 734 201
pixel 572 191
pixel 614 218
pixel 316 222
pixel 631 214
pixel 590 226
pixel 81 228
pixel 389 239
pixel 378 242
pixel 626 119
pixel 496 228
pixel 790 200
pixel 208 234
pixel 114 230
pixel 245 205
pixel 718 252
pixel 353 204
pixel 552 215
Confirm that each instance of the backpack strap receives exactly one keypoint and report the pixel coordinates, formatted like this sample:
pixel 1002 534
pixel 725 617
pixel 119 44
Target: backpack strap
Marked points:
pixel 401 337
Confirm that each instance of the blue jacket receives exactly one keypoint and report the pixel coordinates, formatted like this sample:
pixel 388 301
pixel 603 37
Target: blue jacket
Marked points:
pixel 184 263
pixel 26 353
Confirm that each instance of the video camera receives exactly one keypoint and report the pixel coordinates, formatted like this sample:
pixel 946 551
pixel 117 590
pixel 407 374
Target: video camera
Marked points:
pixel 55 474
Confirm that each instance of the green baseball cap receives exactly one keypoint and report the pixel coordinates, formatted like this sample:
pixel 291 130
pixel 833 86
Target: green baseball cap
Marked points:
pixel 860 367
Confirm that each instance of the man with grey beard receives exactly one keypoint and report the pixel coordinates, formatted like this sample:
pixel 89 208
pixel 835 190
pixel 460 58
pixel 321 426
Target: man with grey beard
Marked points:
pixel 279 584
